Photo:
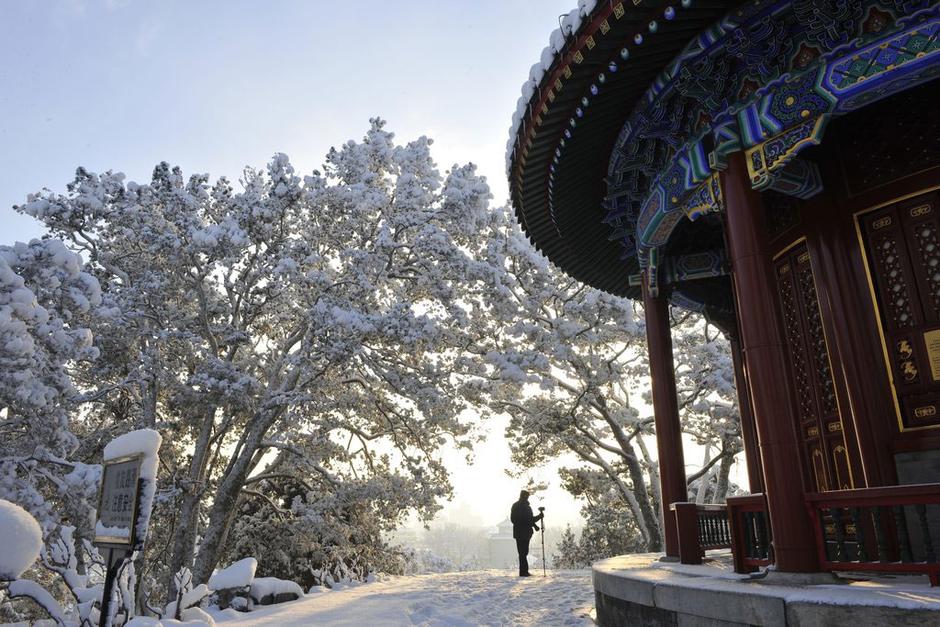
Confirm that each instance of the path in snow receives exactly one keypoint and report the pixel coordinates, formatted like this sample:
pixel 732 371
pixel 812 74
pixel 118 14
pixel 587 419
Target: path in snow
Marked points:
pixel 483 597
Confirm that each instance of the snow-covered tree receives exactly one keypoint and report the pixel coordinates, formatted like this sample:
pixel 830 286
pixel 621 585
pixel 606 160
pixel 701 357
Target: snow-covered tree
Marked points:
pixel 567 556
pixel 708 403
pixel 305 346
pixel 609 526
pixel 321 532
pixel 568 360
pixel 296 332
pixel 44 292
pixel 569 365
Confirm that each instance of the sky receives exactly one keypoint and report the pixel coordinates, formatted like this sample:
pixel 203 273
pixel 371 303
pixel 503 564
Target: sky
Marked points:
pixel 214 86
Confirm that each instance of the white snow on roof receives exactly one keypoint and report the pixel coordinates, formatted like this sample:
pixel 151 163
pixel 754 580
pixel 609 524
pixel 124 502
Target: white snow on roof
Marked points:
pixel 570 25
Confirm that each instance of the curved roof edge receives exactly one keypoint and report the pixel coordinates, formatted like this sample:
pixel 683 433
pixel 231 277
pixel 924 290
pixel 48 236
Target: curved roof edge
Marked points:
pixel 595 69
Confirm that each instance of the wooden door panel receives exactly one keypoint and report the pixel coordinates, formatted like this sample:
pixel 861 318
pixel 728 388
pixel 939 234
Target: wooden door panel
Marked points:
pixel 829 459
pixel 902 250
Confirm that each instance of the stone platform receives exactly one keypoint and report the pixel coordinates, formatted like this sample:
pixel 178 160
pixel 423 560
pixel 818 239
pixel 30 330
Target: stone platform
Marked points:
pixel 641 590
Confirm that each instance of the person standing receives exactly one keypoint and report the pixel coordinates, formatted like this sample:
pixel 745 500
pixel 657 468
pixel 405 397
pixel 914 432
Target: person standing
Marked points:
pixel 523 526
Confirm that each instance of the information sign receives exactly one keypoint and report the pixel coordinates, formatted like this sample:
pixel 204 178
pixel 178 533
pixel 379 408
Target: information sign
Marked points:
pixel 932 341
pixel 117 501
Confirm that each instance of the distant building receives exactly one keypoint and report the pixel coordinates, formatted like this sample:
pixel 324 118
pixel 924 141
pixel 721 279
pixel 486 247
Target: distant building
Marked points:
pixel 502 548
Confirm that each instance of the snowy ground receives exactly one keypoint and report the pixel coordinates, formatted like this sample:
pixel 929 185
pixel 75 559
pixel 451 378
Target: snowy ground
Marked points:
pixel 484 597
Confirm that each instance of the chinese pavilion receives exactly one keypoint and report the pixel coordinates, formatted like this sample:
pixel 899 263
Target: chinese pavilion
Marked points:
pixel 775 165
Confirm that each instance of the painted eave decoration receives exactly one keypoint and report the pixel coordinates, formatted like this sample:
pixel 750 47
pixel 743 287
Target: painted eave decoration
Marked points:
pixel 625 123
pixel 596 67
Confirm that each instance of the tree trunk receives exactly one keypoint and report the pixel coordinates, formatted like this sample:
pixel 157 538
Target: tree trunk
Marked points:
pixel 653 524
pixel 721 487
pixel 226 496
pixel 187 523
pixel 233 478
pixel 149 386
pixel 655 487
pixel 184 538
pixel 702 493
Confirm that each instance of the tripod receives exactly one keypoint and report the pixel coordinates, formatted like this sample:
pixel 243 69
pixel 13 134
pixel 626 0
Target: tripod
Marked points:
pixel 542 512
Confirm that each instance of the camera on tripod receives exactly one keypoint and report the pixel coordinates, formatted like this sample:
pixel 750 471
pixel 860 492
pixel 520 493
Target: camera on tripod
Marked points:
pixel 541 509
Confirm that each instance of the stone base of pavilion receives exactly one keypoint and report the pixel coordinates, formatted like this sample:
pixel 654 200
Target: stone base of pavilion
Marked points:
pixel 642 590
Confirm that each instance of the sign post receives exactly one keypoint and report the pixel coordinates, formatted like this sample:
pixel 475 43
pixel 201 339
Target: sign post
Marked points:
pixel 116 524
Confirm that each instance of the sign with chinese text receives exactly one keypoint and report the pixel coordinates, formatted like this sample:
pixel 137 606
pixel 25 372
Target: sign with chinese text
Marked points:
pixel 932 340
pixel 117 501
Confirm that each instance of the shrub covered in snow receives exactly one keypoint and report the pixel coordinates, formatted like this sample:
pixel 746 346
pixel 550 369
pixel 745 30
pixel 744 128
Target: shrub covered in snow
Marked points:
pixel 424 560
pixel 237 575
pixel 609 529
pixel 22 540
pixel 188 596
pixel 324 539
pixel 232 581
pixel 268 590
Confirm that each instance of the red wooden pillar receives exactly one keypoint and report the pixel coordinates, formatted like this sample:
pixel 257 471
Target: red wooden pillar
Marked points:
pixel 765 354
pixel 666 412
pixel 755 474
pixel 690 551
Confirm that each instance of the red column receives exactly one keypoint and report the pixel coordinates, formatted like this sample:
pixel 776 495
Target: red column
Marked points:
pixel 764 350
pixel 755 474
pixel 666 412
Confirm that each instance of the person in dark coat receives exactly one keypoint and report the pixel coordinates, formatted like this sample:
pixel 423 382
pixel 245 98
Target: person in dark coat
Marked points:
pixel 523 526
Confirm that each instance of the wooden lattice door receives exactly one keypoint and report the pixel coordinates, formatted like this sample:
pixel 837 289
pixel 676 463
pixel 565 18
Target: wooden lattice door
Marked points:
pixel 828 457
pixel 903 260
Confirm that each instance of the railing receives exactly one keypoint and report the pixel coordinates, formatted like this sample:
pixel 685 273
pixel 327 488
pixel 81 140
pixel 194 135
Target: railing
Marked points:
pixel 750 532
pixel 700 528
pixel 889 529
